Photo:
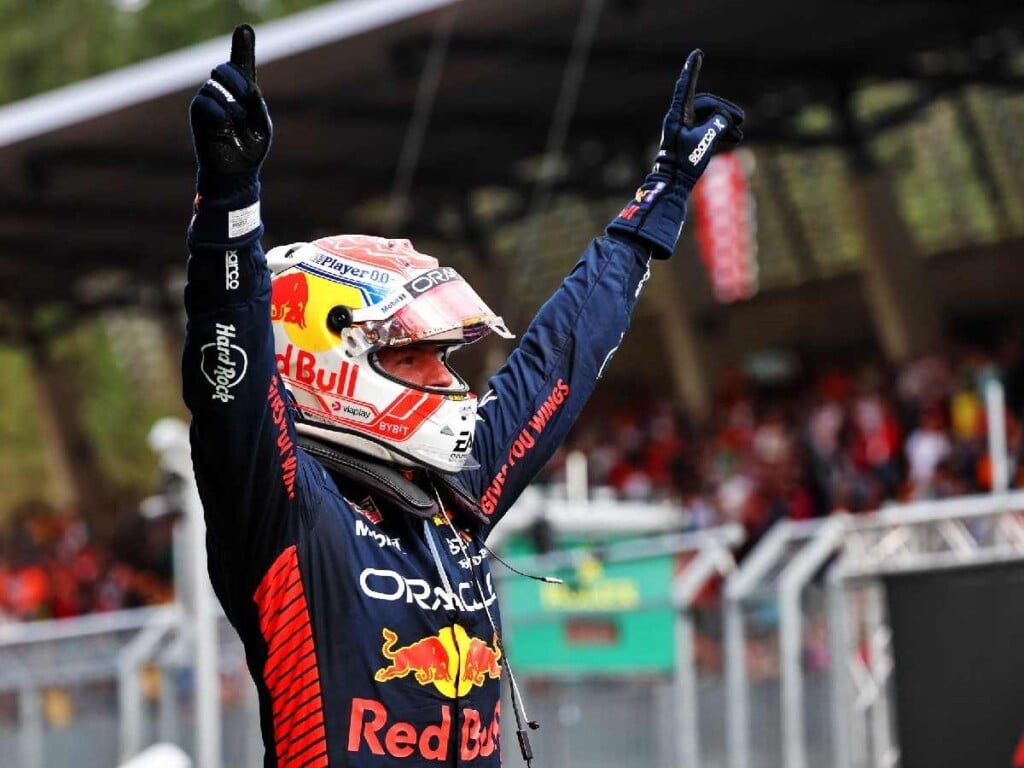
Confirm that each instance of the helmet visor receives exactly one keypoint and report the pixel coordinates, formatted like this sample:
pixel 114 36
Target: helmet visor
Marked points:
pixel 443 309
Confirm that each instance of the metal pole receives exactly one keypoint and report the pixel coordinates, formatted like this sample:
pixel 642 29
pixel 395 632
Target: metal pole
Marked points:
pixel 796 575
pixel 169 437
pixel 881 738
pixel 30 720
pixel 183 591
pixel 167 724
pixel 714 559
pixel 855 628
pixel 995 411
pixel 791 674
pixel 576 484
pixel 771 549
pixel 839 644
pixel 207 686
pixel 687 737
pixel 725 536
pixel 129 692
pixel 416 133
pixel 736 704
pixel 129 705
pixel 173 659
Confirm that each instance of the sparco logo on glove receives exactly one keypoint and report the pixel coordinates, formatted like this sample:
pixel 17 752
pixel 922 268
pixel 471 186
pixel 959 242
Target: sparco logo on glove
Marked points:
pixel 701 148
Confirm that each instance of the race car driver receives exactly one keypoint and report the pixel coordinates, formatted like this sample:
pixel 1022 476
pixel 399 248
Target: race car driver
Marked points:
pixel 349 476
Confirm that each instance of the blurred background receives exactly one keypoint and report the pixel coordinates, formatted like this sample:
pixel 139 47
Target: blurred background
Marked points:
pixel 788 516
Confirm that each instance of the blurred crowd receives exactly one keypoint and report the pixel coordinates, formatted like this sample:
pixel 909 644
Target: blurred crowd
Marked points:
pixel 52 565
pixel 850 438
pixel 846 439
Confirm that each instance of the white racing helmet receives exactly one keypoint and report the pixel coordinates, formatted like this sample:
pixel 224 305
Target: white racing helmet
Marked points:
pixel 338 300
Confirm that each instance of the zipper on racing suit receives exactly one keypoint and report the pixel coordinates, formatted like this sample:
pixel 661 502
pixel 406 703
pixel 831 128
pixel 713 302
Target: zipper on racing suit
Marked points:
pixel 453 740
pixel 518 707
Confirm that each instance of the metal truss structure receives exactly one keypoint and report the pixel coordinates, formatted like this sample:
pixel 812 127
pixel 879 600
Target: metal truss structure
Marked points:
pixel 924 536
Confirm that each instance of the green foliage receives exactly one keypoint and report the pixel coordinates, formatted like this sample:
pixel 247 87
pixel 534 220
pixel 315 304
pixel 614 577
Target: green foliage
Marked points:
pixel 49 43
pixel 938 181
pixel 24 472
pixel 115 412
pixel 818 182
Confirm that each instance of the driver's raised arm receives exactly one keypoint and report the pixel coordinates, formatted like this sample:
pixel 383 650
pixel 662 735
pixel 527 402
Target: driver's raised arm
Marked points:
pixel 243 442
pixel 536 396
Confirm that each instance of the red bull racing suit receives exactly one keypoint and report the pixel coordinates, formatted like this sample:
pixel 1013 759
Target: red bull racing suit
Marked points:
pixel 368 632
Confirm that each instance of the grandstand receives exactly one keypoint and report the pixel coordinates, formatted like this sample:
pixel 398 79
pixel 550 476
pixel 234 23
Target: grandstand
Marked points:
pixel 861 366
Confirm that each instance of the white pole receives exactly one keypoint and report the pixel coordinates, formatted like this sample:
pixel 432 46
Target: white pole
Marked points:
pixel 736 705
pixel 207 686
pixel 794 578
pixel 576 477
pixel 685 685
pixel 32 730
pixel 995 411
pixel 169 437
pixel 129 689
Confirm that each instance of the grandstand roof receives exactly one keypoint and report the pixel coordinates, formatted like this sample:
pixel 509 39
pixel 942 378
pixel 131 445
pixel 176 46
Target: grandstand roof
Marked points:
pixel 96 178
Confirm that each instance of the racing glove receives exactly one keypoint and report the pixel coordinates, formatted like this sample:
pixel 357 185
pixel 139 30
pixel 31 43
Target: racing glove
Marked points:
pixel 695 127
pixel 231 134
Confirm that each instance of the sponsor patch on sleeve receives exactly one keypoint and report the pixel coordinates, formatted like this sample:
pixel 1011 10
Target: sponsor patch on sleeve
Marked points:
pixel 244 220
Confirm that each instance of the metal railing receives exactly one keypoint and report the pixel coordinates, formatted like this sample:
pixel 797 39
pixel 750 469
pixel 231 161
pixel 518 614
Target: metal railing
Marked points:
pixel 676 741
pixel 91 691
pixel 925 536
pixel 128 678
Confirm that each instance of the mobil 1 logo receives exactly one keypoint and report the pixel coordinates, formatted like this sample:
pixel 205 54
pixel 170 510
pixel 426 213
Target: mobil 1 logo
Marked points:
pixel 223 362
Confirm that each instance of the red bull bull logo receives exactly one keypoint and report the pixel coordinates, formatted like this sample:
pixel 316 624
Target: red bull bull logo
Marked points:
pixel 427 659
pixel 289 298
pixel 481 661
pixel 300 302
pixel 451 661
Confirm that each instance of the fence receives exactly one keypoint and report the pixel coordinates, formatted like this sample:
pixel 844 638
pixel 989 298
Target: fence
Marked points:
pixel 788 665
pixel 90 692
pixel 659 710
pixel 793 660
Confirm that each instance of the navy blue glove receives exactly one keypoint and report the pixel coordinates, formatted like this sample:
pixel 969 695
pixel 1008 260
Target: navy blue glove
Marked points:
pixel 231 128
pixel 695 127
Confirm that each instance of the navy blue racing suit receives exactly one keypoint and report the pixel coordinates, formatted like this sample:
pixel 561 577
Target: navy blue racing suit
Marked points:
pixel 367 633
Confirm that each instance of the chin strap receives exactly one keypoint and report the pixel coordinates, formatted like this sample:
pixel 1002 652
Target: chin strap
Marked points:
pixel 390 487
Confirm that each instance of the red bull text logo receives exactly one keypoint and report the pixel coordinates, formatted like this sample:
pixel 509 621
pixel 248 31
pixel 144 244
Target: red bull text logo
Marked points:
pixel 301 366
pixel 288 299
pixel 451 661
pixel 371 727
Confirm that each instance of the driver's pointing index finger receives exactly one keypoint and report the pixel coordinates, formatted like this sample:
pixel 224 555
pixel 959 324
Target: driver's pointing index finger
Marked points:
pixel 243 51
